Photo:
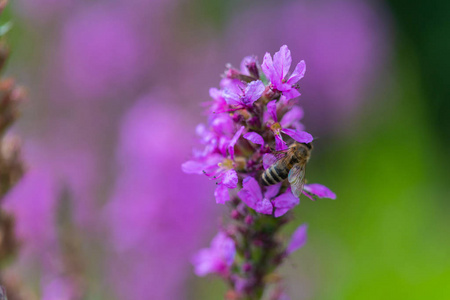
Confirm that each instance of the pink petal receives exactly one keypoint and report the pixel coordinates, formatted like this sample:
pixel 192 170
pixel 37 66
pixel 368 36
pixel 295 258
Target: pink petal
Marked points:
pixel 268 160
pixel 254 91
pixel 250 193
pixel 319 190
pixel 292 116
pixel 221 194
pixel 215 93
pixel 299 136
pixel 246 61
pixel 298 239
pixel 222 124
pixel 272 109
pixel 272 191
pixel 282 61
pixel 299 73
pixel 281 211
pixel 230 179
pixel 284 203
pixel 254 138
pixel 252 185
pixel 267 68
pixel 291 93
pixel 224 247
pixel 231 98
pixel 193 167
pixel 203 262
pixel 234 140
pixel 264 207
pixel 279 143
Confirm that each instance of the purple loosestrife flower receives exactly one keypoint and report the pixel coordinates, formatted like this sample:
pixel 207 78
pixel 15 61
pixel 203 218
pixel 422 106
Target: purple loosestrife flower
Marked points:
pixel 248 117
pixel 277 69
pixel 237 97
pixel 252 196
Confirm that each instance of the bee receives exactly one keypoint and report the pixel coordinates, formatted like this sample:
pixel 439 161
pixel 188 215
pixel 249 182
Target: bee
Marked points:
pixel 290 164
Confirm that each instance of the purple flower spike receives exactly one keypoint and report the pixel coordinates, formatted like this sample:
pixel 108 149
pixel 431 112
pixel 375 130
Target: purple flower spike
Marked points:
pixel 217 258
pixel 298 239
pixel 276 71
pixel 318 190
pixel 263 112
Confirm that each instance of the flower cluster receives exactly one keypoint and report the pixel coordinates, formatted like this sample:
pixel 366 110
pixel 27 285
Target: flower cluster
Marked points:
pixel 252 120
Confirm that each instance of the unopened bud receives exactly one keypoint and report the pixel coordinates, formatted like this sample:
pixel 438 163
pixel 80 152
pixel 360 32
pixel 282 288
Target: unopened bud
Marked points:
pixel 235 214
pixel 246 267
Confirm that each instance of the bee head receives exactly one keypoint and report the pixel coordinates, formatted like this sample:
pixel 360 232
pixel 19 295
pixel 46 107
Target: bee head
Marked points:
pixel 302 150
pixel 308 145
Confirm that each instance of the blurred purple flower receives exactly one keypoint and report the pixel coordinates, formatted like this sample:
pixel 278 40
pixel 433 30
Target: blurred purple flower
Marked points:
pixel 36 198
pixel 59 288
pixel 43 10
pixel 101 52
pixel 217 258
pixel 33 203
pixel 155 216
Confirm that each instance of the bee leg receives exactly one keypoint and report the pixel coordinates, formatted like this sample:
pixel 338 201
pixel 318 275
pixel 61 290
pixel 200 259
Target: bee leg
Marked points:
pixel 311 196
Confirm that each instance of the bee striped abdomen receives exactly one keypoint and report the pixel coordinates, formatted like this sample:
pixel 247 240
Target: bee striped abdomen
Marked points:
pixel 274 174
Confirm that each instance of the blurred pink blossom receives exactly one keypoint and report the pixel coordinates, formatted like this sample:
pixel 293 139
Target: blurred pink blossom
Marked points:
pixel 156 215
pixel 101 52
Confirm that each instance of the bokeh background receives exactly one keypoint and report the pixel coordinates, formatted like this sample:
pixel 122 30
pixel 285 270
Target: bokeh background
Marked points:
pixel 115 91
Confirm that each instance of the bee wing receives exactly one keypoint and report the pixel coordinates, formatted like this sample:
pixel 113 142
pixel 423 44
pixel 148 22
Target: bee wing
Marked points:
pixel 280 154
pixel 296 178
